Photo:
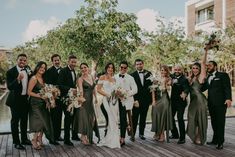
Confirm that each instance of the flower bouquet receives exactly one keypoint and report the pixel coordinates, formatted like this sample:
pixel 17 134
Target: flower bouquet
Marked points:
pixel 49 93
pixel 73 100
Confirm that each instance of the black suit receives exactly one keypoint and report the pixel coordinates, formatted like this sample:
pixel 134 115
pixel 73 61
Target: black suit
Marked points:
pixel 219 90
pixel 180 84
pixel 65 82
pixel 51 77
pixel 144 98
pixel 18 104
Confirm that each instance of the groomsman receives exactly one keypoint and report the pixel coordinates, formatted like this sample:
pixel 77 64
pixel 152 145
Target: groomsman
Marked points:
pixel 180 89
pixel 219 98
pixel 17 83
pixel 126 82
pixel 142 98
pixel 66 81
pixel 51 77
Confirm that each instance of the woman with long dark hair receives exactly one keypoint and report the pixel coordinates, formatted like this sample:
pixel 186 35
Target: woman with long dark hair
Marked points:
pixel 106 86
pixel 85 119
pixel 39 118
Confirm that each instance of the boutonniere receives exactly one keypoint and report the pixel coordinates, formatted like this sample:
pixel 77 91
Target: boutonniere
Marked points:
pixel 28 70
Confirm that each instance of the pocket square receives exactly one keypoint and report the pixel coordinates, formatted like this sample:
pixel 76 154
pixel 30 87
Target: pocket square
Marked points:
pixel 216 79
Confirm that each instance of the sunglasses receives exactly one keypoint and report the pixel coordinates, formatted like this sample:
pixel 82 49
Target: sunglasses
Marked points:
pixel 123 67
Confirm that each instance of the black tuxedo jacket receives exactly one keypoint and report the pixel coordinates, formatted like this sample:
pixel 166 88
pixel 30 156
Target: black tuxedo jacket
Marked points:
pixel 14 87
pixel 65 81
pixel 182 85
pixel 51 76
pixel 219 89
pixel 143 95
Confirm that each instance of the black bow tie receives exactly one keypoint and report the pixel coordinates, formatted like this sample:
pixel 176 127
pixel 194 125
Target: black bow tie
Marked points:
pixel 122 76
pixel 209 75
pixel 23 69
pixel 141 72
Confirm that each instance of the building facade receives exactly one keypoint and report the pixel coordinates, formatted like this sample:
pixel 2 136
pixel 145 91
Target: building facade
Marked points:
pixel 208 15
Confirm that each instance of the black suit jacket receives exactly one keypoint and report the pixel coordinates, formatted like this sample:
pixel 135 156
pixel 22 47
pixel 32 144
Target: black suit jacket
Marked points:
pixel 14 87
pixel 219 89
pixel 182 85
pixel 51 76
pixel 65 81
pixel 143 95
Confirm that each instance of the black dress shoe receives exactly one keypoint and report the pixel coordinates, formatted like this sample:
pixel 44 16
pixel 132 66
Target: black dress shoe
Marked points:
pixel 60 139
pixel 76 138
pixel 54 142
pixel 69 143
pixel 211 143
pixel 181 141
pixel 142 137
pixel 174 137
pixel 220 146
pixel 19 146
pixel 26 142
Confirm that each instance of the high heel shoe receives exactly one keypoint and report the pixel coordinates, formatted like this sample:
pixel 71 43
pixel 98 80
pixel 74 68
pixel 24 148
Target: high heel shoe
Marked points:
pixel 35 145
pixel 84 140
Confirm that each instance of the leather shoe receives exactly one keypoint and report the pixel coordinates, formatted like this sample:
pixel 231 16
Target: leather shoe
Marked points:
pixel 26 142
pixel 69 143
pixel 220 146
pixel 60 139
pixel 181 141
pixel 19 146
pixel 54 142
pixel 76 138
pixel 174 137
pixel 211 143
pixel 142 137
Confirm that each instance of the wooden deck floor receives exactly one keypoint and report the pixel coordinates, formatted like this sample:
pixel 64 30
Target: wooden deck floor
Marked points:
pixel 139 148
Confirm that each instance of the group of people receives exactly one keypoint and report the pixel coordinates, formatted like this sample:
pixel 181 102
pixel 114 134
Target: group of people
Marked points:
pixel 125 103
pixel 166 104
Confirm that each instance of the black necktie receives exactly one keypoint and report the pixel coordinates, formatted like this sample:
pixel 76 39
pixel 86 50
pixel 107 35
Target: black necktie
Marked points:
pixel 122 76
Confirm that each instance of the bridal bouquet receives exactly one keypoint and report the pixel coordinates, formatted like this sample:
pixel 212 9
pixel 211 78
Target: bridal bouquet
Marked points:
pixel 73 101
pixel 50 93
pixel 120 93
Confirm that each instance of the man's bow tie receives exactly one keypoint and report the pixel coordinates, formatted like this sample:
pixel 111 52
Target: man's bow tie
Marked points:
pixel 122 76
pixel 23 69
pixel 141 72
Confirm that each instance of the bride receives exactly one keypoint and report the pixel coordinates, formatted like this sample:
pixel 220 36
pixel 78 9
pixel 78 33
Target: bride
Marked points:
pixel 105 87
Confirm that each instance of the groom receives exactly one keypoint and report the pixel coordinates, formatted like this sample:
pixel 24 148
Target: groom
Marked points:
pixel 126 82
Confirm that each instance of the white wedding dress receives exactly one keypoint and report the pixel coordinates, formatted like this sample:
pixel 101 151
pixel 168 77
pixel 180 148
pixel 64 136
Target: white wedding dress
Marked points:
pixel 112 138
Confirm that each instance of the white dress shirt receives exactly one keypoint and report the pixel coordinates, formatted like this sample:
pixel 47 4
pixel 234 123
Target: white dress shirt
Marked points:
pixel 24 81
pixel 127 83
pixel 211 77
pixel 141 75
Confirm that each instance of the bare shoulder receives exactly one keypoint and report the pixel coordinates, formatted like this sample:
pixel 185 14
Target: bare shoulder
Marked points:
pixel 102 77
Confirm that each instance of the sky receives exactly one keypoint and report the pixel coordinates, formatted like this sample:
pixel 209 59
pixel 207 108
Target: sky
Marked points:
pixel 23 20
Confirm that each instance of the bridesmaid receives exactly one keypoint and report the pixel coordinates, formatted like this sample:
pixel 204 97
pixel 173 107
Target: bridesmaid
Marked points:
pixel 197 110
pixel 85 121
pixel 39 118
pixel 161 107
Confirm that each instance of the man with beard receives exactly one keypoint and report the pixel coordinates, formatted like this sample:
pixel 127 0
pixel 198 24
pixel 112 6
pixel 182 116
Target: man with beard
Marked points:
pixel 17 83
pixel 51 77
pixel 142 98
pixel 180 89
pixel 66 81
pixel 219 98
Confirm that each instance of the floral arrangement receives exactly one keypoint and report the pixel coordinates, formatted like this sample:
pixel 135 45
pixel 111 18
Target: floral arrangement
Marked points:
pixel 73 100
pixel 120 93
pixel 50 93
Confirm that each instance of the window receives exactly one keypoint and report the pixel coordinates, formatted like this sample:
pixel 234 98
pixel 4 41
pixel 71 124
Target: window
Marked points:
pixel 205 14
